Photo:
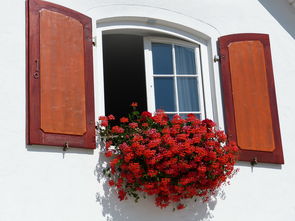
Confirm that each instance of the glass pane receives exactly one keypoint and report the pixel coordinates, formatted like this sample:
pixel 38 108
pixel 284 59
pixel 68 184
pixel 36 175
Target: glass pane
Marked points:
pixel 185 60
pixel 165 93
pixel 162 58
pixel 188 97
pixel 170 116
pixel 184 116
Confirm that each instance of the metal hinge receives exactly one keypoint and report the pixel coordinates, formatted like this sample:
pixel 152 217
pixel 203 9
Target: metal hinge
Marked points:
pixel 216 58
pixel 94 41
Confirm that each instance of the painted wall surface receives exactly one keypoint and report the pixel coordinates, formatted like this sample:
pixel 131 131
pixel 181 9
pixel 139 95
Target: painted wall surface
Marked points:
pixel 43 183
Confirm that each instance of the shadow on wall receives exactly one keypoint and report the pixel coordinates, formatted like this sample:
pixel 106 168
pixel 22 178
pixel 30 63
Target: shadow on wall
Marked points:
pixel 283 12
pixel 145 209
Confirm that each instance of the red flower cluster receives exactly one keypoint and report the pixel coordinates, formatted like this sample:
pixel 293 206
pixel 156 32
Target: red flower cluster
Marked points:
pixel 170 159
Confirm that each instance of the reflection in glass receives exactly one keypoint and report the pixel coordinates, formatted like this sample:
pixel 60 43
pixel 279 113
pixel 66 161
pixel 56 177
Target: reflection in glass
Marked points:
pixel 185 60
pixel 165 94
pixel 162 58
pixel 188 94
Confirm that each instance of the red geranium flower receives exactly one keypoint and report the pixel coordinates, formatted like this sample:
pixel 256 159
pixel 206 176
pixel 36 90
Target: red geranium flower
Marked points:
pixel 124 120
pixel 117 129
pixel 146 114
pixel 103 118
pixel 122 194
pixel 104 123
pixel 111 183
pixel 133 125
pixel 172 160
pixel 180 206
pixel 134 104
pixel 108 153
pixel 111 117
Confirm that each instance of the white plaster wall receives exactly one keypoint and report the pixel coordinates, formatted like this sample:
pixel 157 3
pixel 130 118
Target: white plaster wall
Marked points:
pixel 43 183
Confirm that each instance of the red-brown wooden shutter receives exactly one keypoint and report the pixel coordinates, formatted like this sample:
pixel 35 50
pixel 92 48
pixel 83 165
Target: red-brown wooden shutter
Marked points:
pixel 249 99
pixel 60 76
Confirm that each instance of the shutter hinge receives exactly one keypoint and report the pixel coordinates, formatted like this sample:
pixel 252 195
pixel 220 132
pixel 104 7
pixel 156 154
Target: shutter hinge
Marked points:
pixel 94 41
pixel 216 58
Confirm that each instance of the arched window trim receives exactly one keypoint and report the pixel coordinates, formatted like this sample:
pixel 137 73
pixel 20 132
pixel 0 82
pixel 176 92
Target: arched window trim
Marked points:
pixel 210 70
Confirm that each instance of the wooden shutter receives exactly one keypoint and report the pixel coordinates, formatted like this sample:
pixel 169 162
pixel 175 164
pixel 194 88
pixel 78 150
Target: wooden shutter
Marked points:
pixel 249 99
pixel 59 76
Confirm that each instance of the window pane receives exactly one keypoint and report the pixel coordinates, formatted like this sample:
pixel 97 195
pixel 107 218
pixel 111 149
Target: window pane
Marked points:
pixel 162 58
pixel 188 97
pixel 170 116
pixel 184 116
pixel 165 94
pixel 185 60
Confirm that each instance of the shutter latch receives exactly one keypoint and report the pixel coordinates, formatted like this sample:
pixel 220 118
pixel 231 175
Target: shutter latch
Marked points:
pixel 36 75
pixel 254 161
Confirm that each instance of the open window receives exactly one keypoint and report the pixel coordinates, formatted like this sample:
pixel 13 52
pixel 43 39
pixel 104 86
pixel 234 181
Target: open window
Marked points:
pixel 161 72
pixel 158 73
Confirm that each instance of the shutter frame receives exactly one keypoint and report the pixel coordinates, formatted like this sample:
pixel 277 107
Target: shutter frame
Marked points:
pixel 35 135
pixel 275 156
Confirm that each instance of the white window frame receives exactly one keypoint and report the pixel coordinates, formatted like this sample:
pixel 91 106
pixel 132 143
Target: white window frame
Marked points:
pixel 212 89
pixel 150 75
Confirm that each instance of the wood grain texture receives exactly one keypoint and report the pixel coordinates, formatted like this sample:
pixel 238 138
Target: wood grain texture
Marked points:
pixel 62 85
pixel 51 92
pixel 250 96
pixel 252 56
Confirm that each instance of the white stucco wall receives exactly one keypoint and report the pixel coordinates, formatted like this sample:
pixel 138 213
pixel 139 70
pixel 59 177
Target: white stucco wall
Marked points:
pixel 43 183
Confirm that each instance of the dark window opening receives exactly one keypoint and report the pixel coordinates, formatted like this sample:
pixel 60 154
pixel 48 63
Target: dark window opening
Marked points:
pixel 124 74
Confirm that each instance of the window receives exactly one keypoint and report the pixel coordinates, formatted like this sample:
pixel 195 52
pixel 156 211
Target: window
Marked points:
pixel 174 79
pixel 158 73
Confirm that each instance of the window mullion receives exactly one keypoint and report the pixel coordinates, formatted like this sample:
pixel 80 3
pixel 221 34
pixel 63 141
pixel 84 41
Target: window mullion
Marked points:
pixel 175 78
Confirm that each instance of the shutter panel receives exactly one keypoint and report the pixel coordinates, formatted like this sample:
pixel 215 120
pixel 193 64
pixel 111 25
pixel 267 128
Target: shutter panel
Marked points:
pixel 60 76
pixel 250 107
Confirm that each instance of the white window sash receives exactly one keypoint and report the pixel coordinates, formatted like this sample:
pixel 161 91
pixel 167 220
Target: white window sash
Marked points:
pixel 150 75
